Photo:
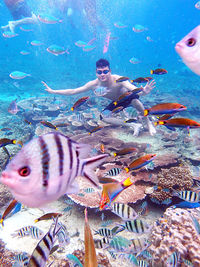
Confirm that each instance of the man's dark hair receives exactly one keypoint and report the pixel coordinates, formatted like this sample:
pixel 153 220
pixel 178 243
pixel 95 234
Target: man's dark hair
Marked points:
pixel 101 63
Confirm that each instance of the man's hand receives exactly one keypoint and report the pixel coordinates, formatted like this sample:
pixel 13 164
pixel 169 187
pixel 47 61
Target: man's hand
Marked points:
pixel 148 87
pixel 48 89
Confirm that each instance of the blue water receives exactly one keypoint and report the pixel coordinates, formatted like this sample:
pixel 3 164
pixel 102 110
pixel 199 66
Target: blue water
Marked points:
pixel 167 23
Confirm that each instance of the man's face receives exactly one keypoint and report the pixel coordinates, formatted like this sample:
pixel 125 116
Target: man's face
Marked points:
pixel 103 73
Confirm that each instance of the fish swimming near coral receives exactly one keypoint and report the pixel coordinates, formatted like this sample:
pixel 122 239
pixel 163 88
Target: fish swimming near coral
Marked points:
pixel 41 253
pixel 12 208
pixel 13 108
pixel 140 162
pixel 164 108
pixel 111 191
pixel 171 124
pixel 79 102
pixel 46 168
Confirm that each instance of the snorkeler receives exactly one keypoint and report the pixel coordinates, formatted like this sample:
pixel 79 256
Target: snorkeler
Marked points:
pixel 115 90
pixel 21 14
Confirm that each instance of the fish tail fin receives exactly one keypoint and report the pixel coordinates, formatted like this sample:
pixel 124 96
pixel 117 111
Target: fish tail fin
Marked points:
pixel 151 71
pixel 1 222
pixel 114 154
pixel 115 103
pixel 126 169
pixel 36 221
pixel 156 123
pixel 72 109
pixel 126 182
pixel 89 165
pixel 146 112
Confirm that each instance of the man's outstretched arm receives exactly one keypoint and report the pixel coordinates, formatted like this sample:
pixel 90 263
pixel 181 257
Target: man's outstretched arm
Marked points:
pixel 88 86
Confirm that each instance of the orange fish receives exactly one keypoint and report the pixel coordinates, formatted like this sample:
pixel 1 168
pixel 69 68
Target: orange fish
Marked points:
pixel 125 151
pixel 159 71
pixel 117 109
pixel 49 124
pixel 95 129
pixel 165 117
pixel 8 210
pixel 178 122
pixel 90 251
pixel 102 148
pixel 164 108
pixel 79 102
pixel 111 191
pixel 140 162
pixel 140 80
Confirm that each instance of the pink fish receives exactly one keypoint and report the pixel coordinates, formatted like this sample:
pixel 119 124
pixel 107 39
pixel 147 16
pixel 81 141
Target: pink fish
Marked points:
pixel 46 168
pixel 106 43
pixel 189 50
pixel 13 108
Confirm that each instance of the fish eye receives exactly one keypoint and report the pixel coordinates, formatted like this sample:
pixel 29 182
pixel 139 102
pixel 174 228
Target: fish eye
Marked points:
pixel 24 171
pixel 191 42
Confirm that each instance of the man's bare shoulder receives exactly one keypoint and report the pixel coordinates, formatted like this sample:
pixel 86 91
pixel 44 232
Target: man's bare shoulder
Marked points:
pixel 116 76
pixel 93 82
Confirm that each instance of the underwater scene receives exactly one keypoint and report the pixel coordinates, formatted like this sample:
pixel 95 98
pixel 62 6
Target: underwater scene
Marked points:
pixel 100 133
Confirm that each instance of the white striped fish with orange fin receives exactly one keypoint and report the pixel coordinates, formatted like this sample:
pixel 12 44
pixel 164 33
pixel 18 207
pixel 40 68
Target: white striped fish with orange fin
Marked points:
pixel 46 168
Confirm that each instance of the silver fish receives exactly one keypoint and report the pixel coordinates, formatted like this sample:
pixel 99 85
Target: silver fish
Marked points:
pixel 41 252
pixel 124 211
pixel 189 50
pixel 46 168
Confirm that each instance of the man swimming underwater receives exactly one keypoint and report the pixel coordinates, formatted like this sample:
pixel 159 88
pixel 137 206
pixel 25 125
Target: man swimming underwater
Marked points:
pixel 115 90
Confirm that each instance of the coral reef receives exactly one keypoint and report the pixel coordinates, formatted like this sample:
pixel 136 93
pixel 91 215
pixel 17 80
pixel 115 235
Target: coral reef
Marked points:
pixel 178 178
pixel 102 259
pixel 5 196
pixel 5 255
pixel 175 231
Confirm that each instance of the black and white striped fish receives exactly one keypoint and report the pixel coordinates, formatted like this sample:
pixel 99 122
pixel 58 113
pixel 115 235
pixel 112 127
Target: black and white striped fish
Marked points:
pixel 124 211
pixel 30 230
pixel 138 245
pixel 46 168
pixel 104 232
pixel 21 259
pixel 24 231
pixel 101 243
pixel 41 252
pixel 137 226
pixel 63 235
pixel 113 172
pixel 187 195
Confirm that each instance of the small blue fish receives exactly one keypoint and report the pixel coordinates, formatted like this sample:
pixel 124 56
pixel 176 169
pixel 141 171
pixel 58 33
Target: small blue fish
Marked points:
pixel 73 259
pixel 186 205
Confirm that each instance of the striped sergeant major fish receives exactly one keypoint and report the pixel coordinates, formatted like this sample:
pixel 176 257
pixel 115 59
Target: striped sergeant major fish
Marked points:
pixel 32 231
pixel 187 195
pixel 104 232
pixel 138 245
pixel 173 259
pixel 102 243
pixel 137 226
pixel 41 252
pixel 21 259
pixel 113 172
pixel 124 211
pixel 143 263
pixel 46 168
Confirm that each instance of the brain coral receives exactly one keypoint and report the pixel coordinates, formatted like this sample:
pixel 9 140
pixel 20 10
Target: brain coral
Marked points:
pixel 175 231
